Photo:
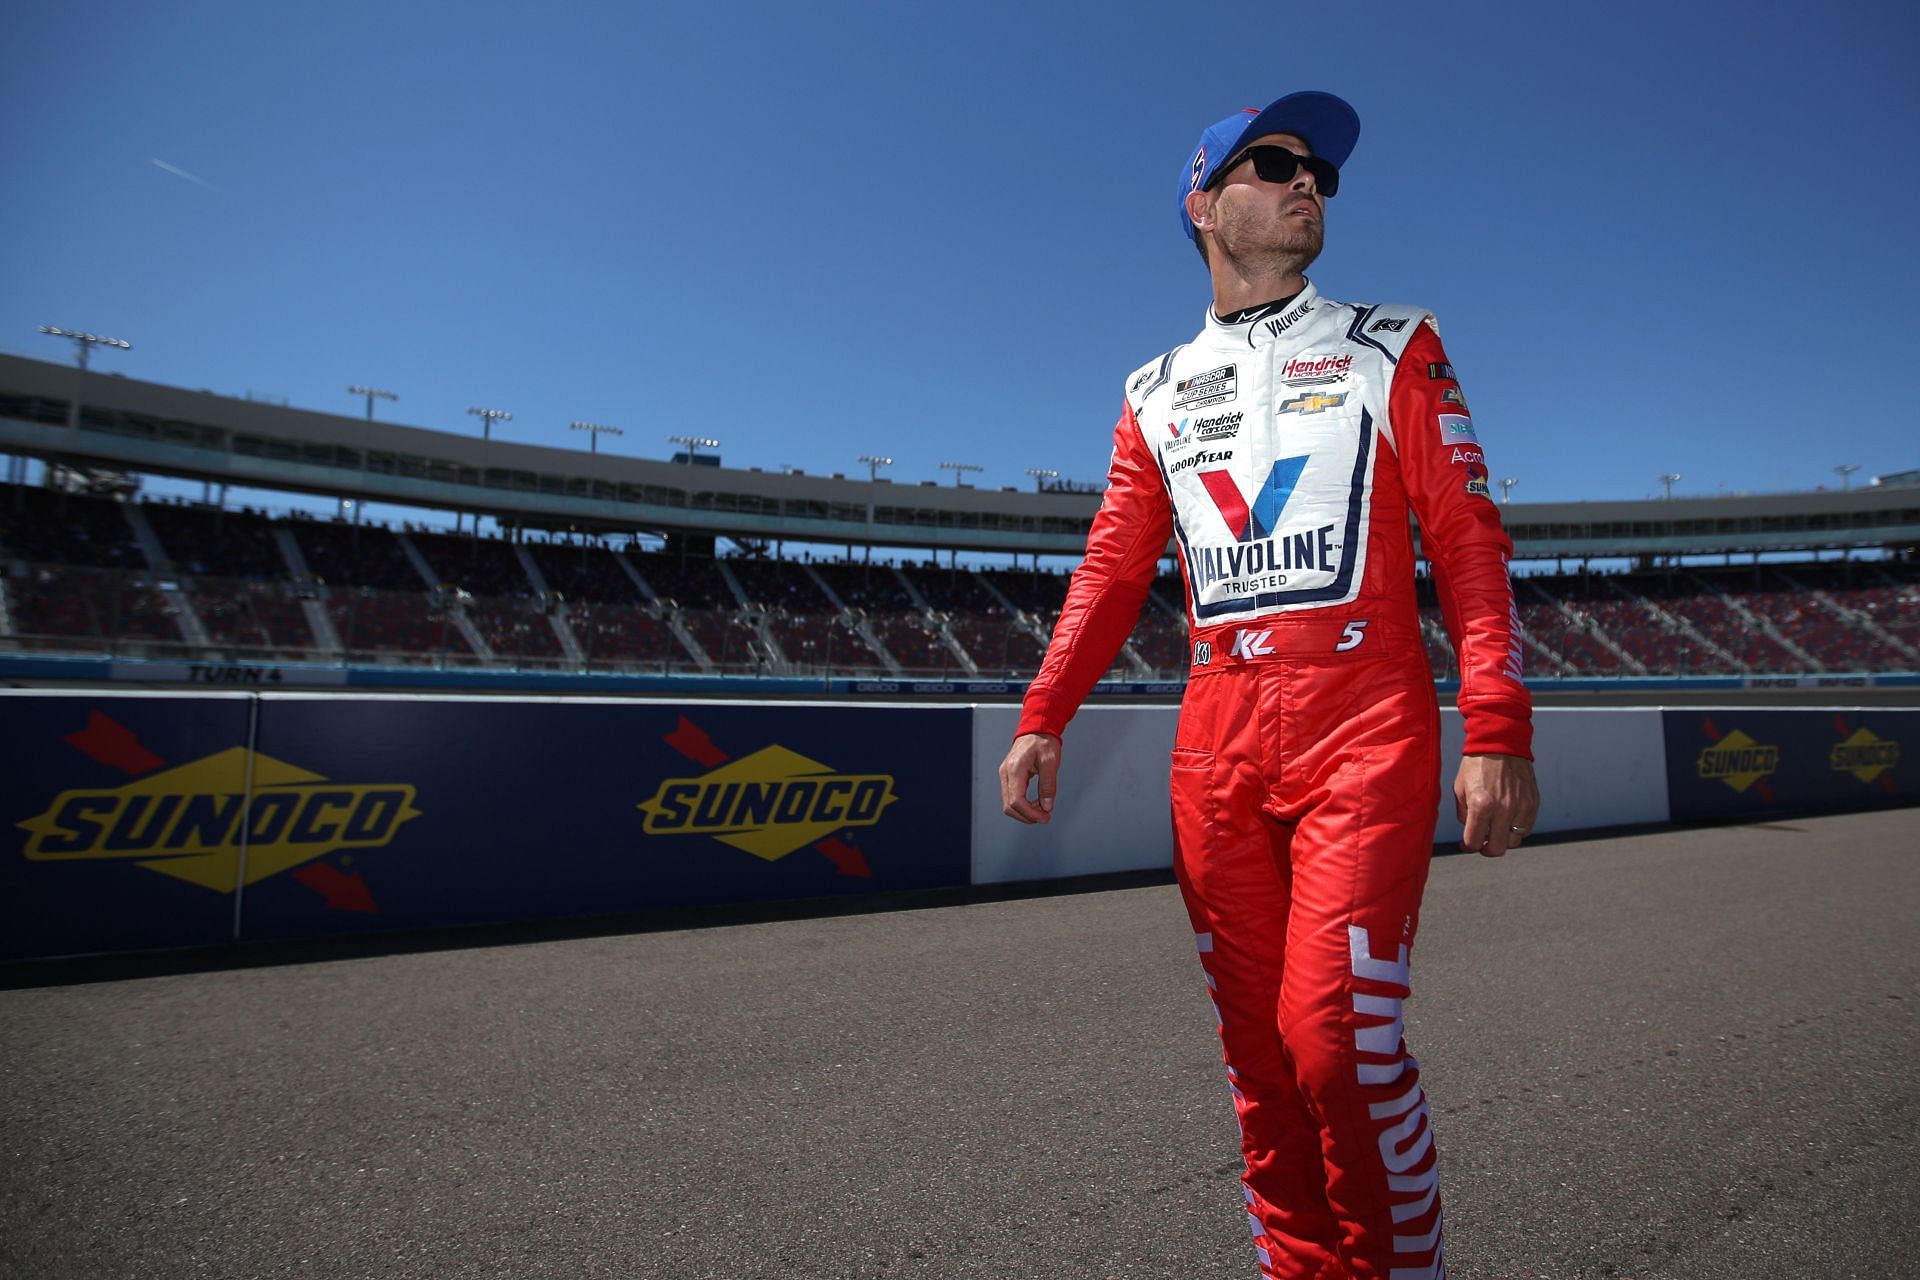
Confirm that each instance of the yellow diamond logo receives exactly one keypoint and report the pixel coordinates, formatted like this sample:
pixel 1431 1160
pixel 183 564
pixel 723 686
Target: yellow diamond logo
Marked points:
pixel 195 823
pixel 1738 760
pixel 1864 755
pixel 768 804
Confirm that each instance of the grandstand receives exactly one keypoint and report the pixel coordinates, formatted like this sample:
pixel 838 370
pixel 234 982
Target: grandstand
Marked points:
pixel 609 564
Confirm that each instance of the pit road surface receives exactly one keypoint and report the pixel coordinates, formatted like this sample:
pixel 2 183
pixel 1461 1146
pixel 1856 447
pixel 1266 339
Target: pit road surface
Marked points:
pixel 1686 1054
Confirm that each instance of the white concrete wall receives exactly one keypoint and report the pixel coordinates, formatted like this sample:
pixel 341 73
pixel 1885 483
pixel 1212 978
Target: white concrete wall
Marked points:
pixel 1111 811
pixel 1597 768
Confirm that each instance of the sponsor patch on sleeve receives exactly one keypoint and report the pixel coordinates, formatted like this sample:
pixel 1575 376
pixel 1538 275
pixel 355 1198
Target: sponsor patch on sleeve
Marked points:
pixel 1457 428
pixel 1440 371
pixel 1453 395
pixel 1477 479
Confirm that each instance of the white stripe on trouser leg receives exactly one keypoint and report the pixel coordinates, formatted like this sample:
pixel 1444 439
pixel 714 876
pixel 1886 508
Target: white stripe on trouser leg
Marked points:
pixel 1418 1244
pixel 1398 1107
pixel 1435 1270
pixel 1382 1039
pixel 1398 1161
pixel 1414 1208
pixel 1360 946
pixel 1381 1072
pixel 1404 1182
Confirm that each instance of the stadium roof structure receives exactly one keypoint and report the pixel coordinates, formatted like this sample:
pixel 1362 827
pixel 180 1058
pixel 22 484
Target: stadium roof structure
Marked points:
pixel 155 429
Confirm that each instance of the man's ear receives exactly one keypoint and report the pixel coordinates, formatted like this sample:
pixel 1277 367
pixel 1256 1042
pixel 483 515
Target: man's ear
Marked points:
pixel 1200 209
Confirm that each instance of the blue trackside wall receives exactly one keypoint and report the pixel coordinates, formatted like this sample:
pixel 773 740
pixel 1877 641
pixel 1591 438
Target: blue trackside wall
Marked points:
pixel 123 813
pixel 294 675
pixel 152 820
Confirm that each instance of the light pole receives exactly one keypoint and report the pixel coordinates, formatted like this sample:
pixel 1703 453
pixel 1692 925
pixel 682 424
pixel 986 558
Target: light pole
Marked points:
pixel 694 444
pixel 1041 475
pixel 487 418
pixel 874 462
pixel 1506 489
pixel 1667 478
pixel 83 343
pixel 594 431
pixel 1845 471
pixel 372 394
pixel 959 469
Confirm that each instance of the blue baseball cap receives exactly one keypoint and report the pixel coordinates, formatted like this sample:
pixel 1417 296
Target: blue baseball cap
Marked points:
pixel 1328 124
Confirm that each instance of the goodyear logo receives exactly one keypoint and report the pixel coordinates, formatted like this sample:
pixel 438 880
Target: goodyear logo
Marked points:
pixel 769 803
pixel 191 821
pixel 1864 755
pixel 1738 760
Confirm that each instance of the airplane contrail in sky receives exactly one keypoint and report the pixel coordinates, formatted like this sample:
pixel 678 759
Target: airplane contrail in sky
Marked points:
pixel 182 173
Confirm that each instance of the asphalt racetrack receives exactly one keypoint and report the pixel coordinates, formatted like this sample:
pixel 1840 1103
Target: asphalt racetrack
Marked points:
pixel 1681 1053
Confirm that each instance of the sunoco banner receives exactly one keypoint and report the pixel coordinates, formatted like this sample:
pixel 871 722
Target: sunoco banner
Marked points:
pixel 1725 762
pixel 137 823
pixel 119 822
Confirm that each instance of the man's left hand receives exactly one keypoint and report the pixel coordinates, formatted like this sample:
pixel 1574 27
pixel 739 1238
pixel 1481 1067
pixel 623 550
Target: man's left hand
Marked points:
pixel 1497 801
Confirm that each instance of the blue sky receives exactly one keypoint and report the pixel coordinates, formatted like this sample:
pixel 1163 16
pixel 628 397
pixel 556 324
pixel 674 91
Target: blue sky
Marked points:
pixel 1658 237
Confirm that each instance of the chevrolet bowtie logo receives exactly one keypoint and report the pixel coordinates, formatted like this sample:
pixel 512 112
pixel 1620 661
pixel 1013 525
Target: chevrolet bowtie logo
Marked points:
pixel 1314 402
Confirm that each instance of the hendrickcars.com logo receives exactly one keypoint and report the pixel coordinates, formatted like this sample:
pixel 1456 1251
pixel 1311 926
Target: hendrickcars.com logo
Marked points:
pixel 769 803
pixel 1737 760
pixel 1862 753
pixel 231 817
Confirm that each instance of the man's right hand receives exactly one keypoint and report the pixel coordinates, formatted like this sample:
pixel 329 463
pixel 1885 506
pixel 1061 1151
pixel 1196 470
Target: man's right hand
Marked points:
pixel 1031 754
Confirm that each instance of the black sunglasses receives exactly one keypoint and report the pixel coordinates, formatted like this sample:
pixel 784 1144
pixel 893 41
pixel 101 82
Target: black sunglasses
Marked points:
pixel 1276 164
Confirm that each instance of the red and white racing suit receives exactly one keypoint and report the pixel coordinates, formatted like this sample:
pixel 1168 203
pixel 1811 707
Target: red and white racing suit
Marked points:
pixel 1282 453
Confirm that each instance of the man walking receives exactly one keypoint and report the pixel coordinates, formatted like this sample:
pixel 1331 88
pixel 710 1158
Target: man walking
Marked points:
pixel 1282 451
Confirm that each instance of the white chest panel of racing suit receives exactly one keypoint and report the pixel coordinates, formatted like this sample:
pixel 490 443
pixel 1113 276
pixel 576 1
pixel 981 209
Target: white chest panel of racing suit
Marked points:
pixel 1268 436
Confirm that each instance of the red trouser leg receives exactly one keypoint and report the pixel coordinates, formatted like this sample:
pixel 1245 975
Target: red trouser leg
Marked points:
pixel 1304 798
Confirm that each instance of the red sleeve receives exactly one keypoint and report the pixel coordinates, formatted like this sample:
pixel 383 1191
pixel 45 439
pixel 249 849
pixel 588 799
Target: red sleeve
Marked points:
pixel 1447 482
pixel 1129 536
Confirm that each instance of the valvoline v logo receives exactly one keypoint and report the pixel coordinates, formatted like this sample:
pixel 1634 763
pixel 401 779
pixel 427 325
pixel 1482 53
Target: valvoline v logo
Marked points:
pixel 1261 518
pixel 769 803
pixel 233 817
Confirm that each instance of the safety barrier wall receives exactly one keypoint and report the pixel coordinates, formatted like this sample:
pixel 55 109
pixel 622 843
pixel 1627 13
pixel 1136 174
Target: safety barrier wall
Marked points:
pixel 151 820
pixel 296 675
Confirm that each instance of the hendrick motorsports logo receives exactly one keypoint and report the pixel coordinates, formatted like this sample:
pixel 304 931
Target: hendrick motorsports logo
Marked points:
pixel 1737 760
pixel 193 821
pixel 767 804
pixel 1863 754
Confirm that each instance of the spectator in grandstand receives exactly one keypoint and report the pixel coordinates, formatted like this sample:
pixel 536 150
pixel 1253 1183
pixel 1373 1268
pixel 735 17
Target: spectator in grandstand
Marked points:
pixel 1290 438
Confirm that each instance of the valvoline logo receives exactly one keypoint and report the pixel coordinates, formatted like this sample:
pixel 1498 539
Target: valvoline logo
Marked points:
pixel 1263 517
pixel 233 817
pixel 769 804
